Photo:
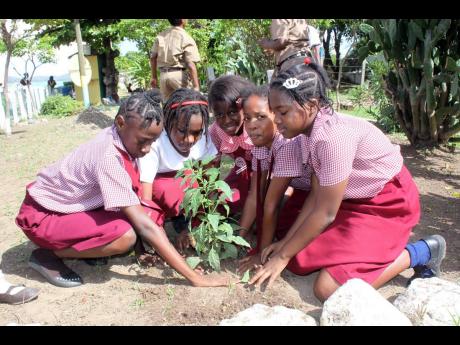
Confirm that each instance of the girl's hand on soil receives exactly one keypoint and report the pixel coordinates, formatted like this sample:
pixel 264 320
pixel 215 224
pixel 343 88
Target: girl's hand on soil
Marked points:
pixel 183 241
pixel 271 250
pixel 271 270
pixel 213 280
pixel 249 262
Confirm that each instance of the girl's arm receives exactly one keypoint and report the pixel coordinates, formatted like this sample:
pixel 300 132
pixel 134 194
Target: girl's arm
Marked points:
pixel 275 193
pixel 326 204
pixel 303 214
pixel 156 237
pixel 250 206
pixel 146 190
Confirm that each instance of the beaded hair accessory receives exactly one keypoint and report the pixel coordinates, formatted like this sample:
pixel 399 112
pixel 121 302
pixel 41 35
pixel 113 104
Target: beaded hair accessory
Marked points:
pixel 291 83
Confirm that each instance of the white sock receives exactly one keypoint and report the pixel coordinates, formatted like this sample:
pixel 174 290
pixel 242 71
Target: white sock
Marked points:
pixel 5 285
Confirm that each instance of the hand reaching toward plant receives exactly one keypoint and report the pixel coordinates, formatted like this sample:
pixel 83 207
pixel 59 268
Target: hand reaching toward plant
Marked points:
pixel 270 251
pixel 249 262
pixel 270 270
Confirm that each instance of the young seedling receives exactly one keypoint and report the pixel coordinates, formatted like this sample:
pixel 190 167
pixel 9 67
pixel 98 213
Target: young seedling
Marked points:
pixel 205 199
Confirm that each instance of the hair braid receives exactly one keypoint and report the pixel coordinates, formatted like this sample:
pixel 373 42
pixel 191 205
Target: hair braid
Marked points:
pixel 147 105
pixel 314 83
pixel 172 115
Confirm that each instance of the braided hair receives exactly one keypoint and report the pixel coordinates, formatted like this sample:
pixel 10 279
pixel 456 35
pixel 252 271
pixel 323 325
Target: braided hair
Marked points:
pixel 227 89
pixel 172 113
pixel 314 82
pixel 146 104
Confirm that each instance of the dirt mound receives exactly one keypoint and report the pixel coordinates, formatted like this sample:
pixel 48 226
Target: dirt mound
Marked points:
pixel 93 116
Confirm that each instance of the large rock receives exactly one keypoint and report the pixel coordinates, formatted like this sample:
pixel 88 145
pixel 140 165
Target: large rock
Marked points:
pixel 262 315
pixel 356 303
pixel 431 302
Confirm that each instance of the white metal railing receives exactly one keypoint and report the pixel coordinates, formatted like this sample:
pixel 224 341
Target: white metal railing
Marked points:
pixel 24 104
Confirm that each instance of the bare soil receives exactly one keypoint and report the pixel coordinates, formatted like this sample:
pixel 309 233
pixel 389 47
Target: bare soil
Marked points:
pixel 124 293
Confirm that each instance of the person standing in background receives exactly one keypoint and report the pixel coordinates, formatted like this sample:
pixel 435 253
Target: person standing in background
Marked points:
pixel 175 53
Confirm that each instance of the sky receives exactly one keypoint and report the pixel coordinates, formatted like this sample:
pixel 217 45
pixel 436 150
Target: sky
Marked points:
pixel 55 69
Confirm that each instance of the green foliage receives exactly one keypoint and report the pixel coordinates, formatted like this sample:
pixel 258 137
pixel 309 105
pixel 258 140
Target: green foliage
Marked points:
pixel 423 80
pixel 136 66
pixel 60 106
pixel 214 236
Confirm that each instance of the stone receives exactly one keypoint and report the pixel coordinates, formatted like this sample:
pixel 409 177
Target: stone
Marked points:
pixel 431 302
pixel 262 315
pixel 356 303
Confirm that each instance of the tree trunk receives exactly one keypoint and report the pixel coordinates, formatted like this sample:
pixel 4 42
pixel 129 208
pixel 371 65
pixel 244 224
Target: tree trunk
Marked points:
pixel 7 97
pixel 111 73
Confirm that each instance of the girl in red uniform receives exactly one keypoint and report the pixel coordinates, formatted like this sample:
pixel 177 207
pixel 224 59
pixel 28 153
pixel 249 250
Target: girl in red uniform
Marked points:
pixel 229 135
pixel 356 221
pixel 89 205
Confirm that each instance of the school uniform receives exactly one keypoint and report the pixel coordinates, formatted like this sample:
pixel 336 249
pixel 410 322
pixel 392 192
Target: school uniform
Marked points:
pixel 174 48
pixel 76 202
pixel 239 148
pixel 380 205
pixel 161 164
pixel 296 32
pixel 277 161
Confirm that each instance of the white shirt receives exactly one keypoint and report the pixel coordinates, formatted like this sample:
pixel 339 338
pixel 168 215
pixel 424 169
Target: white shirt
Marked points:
pixel 313 36
pixel 163 157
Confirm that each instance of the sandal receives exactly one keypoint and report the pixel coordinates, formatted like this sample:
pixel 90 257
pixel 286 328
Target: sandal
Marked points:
pixel 50 266
pixel 25 295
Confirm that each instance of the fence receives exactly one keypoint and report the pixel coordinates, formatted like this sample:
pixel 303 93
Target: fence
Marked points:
pixel 25 104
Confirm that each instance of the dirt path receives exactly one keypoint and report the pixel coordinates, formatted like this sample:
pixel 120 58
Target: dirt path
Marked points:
pixel 123 293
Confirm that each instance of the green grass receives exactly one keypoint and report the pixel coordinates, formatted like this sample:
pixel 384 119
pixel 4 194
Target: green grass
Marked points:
pixel 358 112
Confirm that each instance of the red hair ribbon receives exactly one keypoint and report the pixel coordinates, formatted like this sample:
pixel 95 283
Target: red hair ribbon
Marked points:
pixel 175 105
pixel 307 61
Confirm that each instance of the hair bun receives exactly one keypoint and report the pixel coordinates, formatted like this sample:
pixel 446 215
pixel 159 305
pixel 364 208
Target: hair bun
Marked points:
pixel 153 96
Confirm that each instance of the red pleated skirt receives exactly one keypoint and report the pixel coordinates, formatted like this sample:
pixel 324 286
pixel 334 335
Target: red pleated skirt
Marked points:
pixel 366 236
pixel 80 230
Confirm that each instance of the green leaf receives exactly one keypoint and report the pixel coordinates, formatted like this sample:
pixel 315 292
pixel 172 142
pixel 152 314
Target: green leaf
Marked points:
pixel 454 86
pixel 213 173
pixel 366 28
pixel 392 30
pixel 241 241
pixel 213 259
pixel 441 28
pixel 415 28
pixel 227 209
pixel 206 160
pixel 225 188
pixel 214 220
pixel 230 251
pixel 193 261
pixel 451 65
pixel 245 277
pixel 224 238
pixel 363 52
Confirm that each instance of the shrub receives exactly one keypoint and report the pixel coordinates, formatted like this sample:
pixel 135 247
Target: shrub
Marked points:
pixel 214 237
pixel 60 106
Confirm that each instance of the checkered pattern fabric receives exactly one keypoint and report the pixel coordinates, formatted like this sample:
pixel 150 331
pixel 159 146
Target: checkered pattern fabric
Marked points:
pixel 341 147
pixel 229 144
pixel 91 176
pixel 284 152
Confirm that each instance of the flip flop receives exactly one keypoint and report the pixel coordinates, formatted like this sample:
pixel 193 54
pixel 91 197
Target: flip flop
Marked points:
pixel 25 295
pixel 50 266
